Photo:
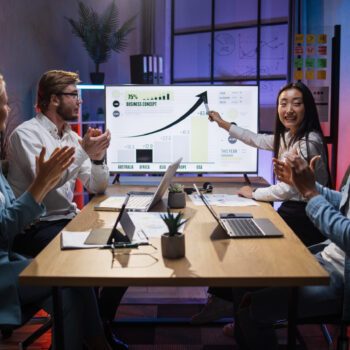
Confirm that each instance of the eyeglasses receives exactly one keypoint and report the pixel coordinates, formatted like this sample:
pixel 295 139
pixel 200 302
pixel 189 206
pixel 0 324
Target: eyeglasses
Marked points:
pixel 75 95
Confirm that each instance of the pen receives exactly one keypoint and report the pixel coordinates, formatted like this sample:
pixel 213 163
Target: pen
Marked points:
pixel 120 245
pixel 143 232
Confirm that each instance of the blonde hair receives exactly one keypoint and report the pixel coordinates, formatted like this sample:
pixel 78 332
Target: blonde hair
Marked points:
pixel 53 82
pixel 2 85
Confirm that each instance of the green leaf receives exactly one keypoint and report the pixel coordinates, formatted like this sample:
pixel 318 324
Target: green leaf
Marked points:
pixel 99 33
pixel 173 222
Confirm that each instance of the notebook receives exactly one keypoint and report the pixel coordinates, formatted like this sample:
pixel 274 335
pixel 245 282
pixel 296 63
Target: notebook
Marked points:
pixel 243 227
pixel 141 201
pixel 128 234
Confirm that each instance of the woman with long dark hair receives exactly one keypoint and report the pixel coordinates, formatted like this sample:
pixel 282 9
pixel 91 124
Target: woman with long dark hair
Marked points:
pixel 296 126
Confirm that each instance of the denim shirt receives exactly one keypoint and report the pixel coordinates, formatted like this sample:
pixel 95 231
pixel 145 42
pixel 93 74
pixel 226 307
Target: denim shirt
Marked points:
pixel 328 211
pixel 15 215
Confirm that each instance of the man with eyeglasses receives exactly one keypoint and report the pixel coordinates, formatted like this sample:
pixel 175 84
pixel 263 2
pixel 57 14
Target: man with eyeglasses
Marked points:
pixel 58 102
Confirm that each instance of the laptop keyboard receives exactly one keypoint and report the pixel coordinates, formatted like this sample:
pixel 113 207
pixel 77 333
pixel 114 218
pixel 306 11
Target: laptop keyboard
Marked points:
pixel 139 202
pixel 243 227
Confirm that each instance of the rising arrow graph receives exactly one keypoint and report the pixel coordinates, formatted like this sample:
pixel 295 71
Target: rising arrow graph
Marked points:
pixel 202 98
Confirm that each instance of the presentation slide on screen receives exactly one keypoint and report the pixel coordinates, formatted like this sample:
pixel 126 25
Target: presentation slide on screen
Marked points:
pixel 152 126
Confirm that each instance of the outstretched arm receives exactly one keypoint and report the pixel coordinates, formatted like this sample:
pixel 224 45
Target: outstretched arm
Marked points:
pixel 216 117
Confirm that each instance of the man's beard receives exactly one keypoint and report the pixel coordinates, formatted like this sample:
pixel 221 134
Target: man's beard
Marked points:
pixel 66 114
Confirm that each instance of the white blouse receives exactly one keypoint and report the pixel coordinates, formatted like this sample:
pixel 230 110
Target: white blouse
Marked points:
pixel 281 191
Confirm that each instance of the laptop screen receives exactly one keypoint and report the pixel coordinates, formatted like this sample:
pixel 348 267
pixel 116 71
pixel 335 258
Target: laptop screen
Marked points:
pixel 114 229
pixel 206 203
pixel 165 182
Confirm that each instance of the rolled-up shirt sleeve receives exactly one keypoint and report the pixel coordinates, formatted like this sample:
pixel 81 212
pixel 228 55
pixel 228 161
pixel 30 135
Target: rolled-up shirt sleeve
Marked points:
pixel 278 192
pixel 94 177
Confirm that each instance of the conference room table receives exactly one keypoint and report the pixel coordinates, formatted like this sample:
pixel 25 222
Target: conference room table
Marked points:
pixel 211 257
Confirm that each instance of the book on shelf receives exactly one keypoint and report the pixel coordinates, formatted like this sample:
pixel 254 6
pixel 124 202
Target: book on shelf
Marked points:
pixel 150 70
pixel 139 69
pixel 160 70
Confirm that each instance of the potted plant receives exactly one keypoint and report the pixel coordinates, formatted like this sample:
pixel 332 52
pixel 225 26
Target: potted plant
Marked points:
pixel 100 34
pixel 173 242
pixel 176 196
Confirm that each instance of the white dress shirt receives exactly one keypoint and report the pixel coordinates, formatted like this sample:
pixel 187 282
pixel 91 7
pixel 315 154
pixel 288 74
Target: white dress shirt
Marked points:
pixel 26 142
pixel 281 191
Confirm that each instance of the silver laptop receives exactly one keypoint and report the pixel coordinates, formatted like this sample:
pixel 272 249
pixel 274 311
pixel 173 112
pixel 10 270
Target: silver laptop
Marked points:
pixel 243 227
pixel 144 201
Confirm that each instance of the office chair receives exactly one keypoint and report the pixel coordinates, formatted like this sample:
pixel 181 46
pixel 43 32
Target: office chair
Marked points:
pixel 28 312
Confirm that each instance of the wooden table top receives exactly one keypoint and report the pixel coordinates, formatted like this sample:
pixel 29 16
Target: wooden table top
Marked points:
pixel 211 258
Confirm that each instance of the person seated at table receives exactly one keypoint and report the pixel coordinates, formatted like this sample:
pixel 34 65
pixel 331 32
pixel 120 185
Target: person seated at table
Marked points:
pixel 257 311
pixel 296 125
pixel 81 318
pixel 58 103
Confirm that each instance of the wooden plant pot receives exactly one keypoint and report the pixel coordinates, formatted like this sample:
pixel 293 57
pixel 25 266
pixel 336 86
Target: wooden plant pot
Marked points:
pixel 176 200
pixel 173 247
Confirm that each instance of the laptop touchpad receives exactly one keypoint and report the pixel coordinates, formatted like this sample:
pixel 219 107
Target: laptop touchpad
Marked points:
pixel 268 227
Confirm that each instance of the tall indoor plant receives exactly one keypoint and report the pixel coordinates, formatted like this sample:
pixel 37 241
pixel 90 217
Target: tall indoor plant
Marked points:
pixel 100 34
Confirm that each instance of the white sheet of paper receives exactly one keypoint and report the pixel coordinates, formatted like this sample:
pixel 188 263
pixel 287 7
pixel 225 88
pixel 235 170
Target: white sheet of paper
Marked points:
pixel 223 200
pixel 74 240
pixel 151 223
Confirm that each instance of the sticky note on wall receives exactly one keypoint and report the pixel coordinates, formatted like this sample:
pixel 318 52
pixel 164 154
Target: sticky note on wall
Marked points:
pixel 321 63
pixel 298 75
pixel 310 50
pixel 310 38
pixel 299 38
pixel 298 63
pixel 310 63
pixel 310 75
pixel 298 50
pixel 321 74
pixel 322 39
pixel 322 50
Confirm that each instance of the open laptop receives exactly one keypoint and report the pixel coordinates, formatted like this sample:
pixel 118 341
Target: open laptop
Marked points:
pixel 141 201
pixel 129 234
pixel 243 227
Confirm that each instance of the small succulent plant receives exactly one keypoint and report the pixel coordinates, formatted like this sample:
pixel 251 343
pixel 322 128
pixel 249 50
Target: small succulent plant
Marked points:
pixel 175 188
pixel 173 222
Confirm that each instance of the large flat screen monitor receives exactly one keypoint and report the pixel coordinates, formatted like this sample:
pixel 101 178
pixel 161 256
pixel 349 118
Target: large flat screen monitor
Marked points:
pixel 152 126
